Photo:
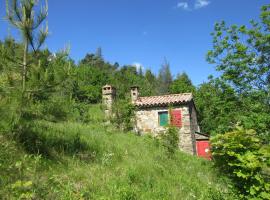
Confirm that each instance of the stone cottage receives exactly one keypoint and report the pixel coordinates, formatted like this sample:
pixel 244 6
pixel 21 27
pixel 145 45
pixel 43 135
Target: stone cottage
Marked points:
pixel 154 113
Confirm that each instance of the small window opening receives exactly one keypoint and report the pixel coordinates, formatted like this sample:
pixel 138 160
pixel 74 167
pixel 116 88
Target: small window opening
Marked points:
pixel 163 118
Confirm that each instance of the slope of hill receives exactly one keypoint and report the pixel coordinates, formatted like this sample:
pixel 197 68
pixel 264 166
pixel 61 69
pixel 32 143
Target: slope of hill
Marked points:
pixel 96 161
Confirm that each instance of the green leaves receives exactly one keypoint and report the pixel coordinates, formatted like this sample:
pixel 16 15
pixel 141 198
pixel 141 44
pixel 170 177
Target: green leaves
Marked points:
pixel 182 84
pixel 241 155
pixel 238 52
pixel 171 140
pixel 23 16
pixel 123 114
pixel 241 93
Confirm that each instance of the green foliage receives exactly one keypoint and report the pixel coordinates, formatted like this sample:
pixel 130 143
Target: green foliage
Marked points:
pixel 241 53
pixel 63 149
pixel 112 166
pixel 15 168
pixel 89 81
pixel 170 140
pixel 150 83
pixel 182 84
pixel 241 93
pixel 123 114
pixel 26 18
pixel 241 155
pixel 218 107
pixel 164 78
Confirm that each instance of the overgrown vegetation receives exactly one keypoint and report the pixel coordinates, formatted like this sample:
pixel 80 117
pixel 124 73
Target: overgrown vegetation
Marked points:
pixel 97 161
pixel 123 115
pixel 55 144
pixel 170 140
pixel 242 156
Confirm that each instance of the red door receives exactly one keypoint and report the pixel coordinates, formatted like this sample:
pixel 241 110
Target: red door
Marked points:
pixel 203 149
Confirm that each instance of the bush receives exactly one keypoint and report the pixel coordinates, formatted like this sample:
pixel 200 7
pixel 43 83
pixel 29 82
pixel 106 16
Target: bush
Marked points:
pixel 123 114
pixel 171 140
pixel 241 155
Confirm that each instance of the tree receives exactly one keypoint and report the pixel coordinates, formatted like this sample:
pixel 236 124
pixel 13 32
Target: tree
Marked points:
pixel 182 84
pixel 242 55
pixel 217 106
pixel 151 83
pixel 164 78
pixel 140 71
pixel 99 53
pixel 23 15
pixel 241 155
pixel 89 81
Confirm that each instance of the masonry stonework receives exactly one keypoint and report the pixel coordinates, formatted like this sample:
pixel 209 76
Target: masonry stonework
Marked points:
pixel 147 122
pixel 147 114
pixel 108 97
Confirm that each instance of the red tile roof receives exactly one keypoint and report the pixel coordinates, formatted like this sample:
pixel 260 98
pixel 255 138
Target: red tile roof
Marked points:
pixel 164 100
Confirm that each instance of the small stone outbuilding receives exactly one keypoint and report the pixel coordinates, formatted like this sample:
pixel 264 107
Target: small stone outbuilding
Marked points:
pixel 154 113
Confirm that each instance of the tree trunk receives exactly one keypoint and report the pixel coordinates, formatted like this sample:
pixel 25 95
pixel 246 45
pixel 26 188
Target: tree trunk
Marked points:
pixel 24 70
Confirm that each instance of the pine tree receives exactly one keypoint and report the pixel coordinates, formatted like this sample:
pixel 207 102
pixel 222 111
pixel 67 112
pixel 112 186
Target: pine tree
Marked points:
pixel 140 71
pixel 164 78
pixel 98 53
pixel 23 15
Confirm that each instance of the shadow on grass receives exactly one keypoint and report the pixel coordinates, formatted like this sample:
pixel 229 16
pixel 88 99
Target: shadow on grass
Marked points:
pixel 47 142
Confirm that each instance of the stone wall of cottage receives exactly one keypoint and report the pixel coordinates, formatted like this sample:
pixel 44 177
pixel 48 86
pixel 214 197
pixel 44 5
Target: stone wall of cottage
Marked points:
pixel 194 125
pixel 147 121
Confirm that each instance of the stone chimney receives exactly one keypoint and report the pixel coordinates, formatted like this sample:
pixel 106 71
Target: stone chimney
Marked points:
pixel 134 93
pixel 108 97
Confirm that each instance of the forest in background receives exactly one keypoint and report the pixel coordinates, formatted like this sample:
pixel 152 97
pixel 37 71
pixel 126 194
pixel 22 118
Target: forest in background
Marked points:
pixel 37 85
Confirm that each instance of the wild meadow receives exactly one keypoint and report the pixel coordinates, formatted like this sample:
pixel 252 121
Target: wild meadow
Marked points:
pixel 56 143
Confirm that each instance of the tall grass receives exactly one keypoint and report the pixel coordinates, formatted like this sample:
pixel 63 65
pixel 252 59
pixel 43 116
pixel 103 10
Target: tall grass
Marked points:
pixel 96 161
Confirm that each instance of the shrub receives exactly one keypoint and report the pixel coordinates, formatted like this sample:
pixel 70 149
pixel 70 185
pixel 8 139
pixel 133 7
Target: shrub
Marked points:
pixel 241 155
pixel 123 114
pixel 170 140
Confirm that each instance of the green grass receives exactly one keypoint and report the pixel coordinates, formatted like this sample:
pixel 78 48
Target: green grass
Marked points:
pixel 96 161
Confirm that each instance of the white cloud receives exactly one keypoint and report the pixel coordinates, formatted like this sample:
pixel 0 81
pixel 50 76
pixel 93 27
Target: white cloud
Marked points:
pixel 201 3
pixel 197 5
pixel 137 65
pixel 183 5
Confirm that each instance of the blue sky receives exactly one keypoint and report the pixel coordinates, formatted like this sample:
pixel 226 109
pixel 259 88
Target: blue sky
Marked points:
pixel 143 31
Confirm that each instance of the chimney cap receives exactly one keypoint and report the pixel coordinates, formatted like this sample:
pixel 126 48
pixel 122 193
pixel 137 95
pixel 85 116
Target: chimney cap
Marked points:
pixel 134 86
pixel 105 86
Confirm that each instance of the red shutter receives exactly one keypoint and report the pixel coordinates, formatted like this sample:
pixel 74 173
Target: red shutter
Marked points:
pixel 176 118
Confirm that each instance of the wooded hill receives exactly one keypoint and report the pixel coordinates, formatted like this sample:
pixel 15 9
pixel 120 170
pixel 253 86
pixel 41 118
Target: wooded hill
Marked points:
pixel 54 144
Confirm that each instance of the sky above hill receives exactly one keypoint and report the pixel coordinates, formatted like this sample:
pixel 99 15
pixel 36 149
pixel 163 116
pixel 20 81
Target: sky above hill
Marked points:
pixel 142 32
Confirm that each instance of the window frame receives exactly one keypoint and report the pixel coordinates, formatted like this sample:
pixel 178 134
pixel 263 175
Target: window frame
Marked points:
pixel 168 118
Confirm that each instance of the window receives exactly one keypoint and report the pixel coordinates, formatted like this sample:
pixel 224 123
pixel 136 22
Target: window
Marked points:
pixel 163 118
pixel 176 118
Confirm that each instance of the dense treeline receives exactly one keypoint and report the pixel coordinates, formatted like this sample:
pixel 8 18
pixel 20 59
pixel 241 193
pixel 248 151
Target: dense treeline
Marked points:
pixel 54 82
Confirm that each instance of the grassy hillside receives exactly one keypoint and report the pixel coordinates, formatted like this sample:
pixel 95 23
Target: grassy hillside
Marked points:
pixel 95 161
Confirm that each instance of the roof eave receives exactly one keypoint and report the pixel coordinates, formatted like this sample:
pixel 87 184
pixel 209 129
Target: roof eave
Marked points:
pixel 162 104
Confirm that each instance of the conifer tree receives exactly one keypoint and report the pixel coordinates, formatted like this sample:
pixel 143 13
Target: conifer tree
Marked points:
pixel 164 78
pixel 99 53
pixel 23 15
